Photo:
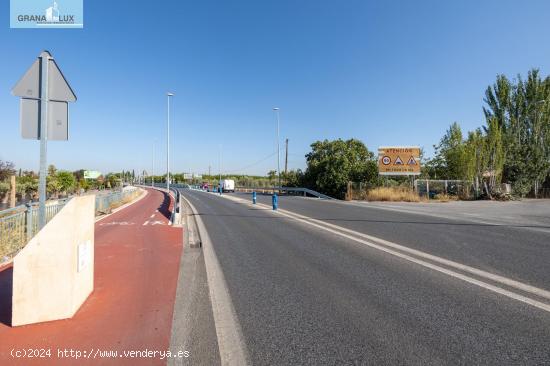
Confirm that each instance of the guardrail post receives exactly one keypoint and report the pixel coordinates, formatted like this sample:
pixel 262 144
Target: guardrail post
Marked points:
pixel 254 197
pixel 28 216
pixel 275 201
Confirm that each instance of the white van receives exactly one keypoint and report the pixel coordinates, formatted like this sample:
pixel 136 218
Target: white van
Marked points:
pixel 228 185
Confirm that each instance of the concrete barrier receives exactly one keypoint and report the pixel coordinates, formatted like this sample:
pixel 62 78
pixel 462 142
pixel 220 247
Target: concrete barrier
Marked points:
pixel 54 274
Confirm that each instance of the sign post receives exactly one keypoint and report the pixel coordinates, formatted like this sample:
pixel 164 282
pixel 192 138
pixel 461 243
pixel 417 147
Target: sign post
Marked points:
pixel 44 61
pixel 44 113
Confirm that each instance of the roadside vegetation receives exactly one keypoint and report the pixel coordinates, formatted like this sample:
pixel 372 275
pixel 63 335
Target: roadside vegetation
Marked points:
pixel 59 183
pixel 511 147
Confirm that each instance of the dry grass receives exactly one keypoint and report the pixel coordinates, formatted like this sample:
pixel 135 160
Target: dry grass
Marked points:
pixel 393 194
pixel 444 198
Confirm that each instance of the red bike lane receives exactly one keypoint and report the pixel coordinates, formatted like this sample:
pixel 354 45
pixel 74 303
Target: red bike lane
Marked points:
pixel 137 257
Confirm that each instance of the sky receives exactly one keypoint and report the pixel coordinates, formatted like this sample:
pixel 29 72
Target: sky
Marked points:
pixel 385 72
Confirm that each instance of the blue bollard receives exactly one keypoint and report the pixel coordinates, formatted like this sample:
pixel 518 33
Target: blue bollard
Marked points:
pixel 254 197
pixel 220 190
pixel 275 201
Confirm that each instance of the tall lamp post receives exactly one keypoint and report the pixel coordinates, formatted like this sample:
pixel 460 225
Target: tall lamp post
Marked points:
pixel 153 166
pixel 168 95
pixel 276 109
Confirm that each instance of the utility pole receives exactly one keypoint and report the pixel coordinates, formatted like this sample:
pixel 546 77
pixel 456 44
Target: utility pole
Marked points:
pixel 209 168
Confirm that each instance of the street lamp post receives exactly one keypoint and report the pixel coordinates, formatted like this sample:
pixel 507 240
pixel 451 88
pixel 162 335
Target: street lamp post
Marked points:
pixel 168 95
pixel 276 109
pixel 153 166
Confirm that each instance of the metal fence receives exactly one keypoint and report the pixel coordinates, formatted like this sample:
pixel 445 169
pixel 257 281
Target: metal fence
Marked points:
pixel 104 202
pixel 431 187
pixel 19 224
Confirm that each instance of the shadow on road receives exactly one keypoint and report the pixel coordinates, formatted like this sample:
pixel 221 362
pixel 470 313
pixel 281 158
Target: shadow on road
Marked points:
pixel 164 207
pixel 6 291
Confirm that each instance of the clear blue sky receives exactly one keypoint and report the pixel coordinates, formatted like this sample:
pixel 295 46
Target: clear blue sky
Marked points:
pixel 385 72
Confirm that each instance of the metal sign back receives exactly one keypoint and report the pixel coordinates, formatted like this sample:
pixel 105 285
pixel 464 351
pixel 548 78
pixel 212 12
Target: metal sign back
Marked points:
pixel 58 87
pixel 29 116
pixel 58 120
pixel 29 85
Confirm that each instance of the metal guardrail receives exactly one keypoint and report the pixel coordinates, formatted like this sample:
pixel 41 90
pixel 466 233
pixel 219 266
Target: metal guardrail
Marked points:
pixel 19 225
pixel 285 190
pixel 268 190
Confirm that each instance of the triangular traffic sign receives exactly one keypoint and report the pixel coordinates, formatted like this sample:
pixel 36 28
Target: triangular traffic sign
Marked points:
pixel 29 85
pixel 59 88
pixel 411 161
pixel 398 161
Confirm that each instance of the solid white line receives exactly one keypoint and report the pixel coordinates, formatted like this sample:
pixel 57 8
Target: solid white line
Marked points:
pixel 228 330
pixel 478 272
pixel 503 280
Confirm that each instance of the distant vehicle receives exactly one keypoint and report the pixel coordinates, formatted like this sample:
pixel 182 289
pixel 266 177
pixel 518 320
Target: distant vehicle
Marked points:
pixel 204 186
pixel 227 185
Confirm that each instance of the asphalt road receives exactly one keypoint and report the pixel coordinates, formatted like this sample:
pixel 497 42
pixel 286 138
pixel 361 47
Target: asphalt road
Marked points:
pixel 303 295
pixel 518 251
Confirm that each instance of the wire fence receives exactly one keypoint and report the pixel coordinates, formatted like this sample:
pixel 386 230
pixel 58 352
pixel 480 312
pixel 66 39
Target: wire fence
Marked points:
pixel 431 188
pixel 428 188
pixel 18 225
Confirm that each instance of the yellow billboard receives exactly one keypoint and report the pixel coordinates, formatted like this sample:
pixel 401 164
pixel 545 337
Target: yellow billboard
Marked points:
pixel 399 160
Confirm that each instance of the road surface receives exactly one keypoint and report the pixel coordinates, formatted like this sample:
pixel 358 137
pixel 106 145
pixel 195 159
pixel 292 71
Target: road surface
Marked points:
pixel 309 293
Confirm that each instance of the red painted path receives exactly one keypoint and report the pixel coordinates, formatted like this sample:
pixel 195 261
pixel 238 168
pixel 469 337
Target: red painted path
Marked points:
pixel 136 269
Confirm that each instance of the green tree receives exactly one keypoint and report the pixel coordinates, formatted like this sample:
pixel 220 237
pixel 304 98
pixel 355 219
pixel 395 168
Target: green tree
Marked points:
pixel 272 174
pixel 67 181
pixel 52 169
pixel 450 155
pixel 53 187
pixel 522 112
pixel 332 164
pixel 293 178
pixel 6 169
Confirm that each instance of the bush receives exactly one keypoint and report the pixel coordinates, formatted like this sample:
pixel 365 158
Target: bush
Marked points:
pixel 4 188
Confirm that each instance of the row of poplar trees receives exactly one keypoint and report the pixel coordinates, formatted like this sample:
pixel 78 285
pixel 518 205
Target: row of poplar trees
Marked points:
pixel 513 145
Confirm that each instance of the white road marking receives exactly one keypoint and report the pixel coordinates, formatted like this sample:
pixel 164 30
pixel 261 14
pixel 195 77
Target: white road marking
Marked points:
pixel 146 222
pixel 228 330
pixel 113 223
pixel 338 230
pixel 153 215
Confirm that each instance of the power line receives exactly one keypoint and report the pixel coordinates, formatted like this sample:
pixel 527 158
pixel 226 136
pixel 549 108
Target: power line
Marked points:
pixel 251 165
